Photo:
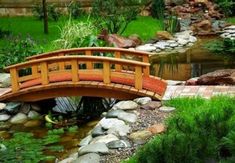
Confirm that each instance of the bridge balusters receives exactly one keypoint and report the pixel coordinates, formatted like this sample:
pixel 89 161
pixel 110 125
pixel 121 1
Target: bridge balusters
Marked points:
pixel 44 73
pixel 88 64
pixel 74 64
pixel 138 77
pixel 14 80
pixel 61 64
pixel 146 69
pixel 118 56
pixel 106 72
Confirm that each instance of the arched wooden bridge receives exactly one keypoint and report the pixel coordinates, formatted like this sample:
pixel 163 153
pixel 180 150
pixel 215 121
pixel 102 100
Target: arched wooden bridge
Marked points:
pixel 118 73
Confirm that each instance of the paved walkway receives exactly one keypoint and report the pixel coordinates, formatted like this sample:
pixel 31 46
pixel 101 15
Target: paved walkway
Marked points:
pixel 203 91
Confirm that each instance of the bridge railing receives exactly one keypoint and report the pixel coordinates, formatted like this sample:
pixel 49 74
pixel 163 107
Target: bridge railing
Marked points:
pixel 92 51
pixel 107 70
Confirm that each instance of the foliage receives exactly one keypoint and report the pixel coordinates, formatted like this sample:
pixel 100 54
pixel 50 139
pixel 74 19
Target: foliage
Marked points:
pixel 158 9
pixel 53 13
pixel 225 47
pixel 23 147
pixel 115 15
pixel 74 9
pixel 200 131
pixel 17 50
pixel 172 24
pixel 4 33
pixel 227 6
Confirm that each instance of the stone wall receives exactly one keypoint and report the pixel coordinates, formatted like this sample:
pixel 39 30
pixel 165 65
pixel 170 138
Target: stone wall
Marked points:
pixel 24 7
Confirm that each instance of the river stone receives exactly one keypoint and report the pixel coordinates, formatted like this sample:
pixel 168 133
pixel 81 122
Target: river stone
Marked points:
pixel 114 113
pixel 190 44
pixel 146 48
pixel 118 144
pixel 85 141
pixel 94 148
pixel 192 39
pixel 182 41
pixel 5 80
pixel 174 45
pixel 33 123
pixel 140 137
pixel 13 107
pixel 2 106
pixel 35 107
pixel 166 109
pixel 157 128
pixel 4 117
pixel 33 114
pixel 25 108
pixel 104 139
pixel 158 50
pixel 4 125
pixel 230 27
pixel 151 105
pixel 142 100
pixel 160 46
pixel 119 130
pixel 128 117
pixel 18 118
pixel 126 105
pixel 107 123
pixel 97 131
pixel 70 159
pixel 88 158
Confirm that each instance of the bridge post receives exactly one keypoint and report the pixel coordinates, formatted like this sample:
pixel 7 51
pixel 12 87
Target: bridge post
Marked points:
pixel 138 77
pixel 44 73
pixel 61 64
pixel 118 56
pixel 146 69
pixel 88 64
pixel 14 80
pixel 106 72
pixel 74 70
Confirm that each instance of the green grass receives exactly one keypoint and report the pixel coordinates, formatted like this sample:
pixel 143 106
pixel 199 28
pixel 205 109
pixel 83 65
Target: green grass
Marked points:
pixel 145 27
pixel 231 20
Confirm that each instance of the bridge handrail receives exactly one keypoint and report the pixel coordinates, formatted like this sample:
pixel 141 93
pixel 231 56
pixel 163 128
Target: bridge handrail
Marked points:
pixel 74 61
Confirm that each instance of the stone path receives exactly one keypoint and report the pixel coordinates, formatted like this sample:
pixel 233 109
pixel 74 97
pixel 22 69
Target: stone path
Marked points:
pixel 203 91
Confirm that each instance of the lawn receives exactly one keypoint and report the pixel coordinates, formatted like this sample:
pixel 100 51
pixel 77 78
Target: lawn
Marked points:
pixel 231 20
pixel 145 27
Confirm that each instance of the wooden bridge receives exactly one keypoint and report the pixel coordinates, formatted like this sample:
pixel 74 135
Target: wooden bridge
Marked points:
pixel 100 72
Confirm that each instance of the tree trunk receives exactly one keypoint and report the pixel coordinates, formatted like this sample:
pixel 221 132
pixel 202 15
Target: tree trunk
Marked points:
pixel 45 18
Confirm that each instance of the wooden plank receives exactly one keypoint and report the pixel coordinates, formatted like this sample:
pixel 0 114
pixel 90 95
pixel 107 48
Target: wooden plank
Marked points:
pixel 118 56
pixel 106 72
pixel 14 80
pixel 146 69
pixel 88 64
pixel 138 77
pixel 44 73
pixel 34 70
pixel 61 64
pixel 74 70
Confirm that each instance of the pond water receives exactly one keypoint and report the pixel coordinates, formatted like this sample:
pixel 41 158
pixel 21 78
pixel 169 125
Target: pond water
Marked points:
pixel 192 63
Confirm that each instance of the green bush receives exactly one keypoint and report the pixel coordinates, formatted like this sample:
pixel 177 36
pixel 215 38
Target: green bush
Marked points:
pixel 227 6
pixel 115 15
pixel 4 33
pixel 53 13
pixel 158 9
pixel 75 10
pixel 200 131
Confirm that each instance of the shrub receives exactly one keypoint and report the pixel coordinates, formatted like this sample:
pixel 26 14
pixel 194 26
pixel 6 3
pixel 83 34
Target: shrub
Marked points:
pixel 158 9
pixel 75 10
pixel 53 13
pixel 4 33
pixel 227 6
pixel 115 15
pixel 200 131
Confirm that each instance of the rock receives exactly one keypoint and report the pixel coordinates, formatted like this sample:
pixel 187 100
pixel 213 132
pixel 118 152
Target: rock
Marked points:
pixel 114 113
pixel 192 81
pixel 85 141
pixel 119 130
pixel 152 105
pixel 128 117
pixel 97 131
pixel 118 144
pixel 18 118
pixel 111 122
pixel 202 27
pixel 166 109
pixel 174 45
pixel 164 35
pixel 88 158
pixel 231 27
pixel 192 39
pixel 25 108
pixel 182 41
pixel 33 114
pixel 142 100
pixel 12 107
pixel 4 117
pixel 140 137
pixel 4 125
pixel 184 35
pixel 126 105
pixel 219 77
pixel 70 159
pixel 104 139
pixel 94 148
pixel 33 123
pixel 190 44
pixel 157 128
pixel 2 106
pixel 35 107
pixel 5 80
pixel 146 48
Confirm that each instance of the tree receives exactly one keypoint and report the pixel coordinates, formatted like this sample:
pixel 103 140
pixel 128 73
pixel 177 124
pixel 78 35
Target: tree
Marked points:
pixel 45 16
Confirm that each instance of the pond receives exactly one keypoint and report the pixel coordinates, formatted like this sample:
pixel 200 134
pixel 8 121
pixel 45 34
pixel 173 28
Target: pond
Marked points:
pixel 192 63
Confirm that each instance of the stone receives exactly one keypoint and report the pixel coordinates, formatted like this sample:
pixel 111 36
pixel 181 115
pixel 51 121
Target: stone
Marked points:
pixel 5 125
pixel 97 131
pixel 142 100
pixel 174 45
pixel 2 106
pixel 18 118
pixel 88 158
pixel 33 114
pixel 230 27
pixel 146 48
pixel 192 81
pixel 4 117
pixel 104 139
pixel 182 41
pixel 166 109
pixel 190 44
pixel 85 141
pixel 119 130
pixel 35 107
pixel 164 35
pixel 140 137
pixel 126 105
pixel 94 148
pixel 114 113
pixel 192 39
pixel 107 123
pixel 33 123
pixel 12 107
pixel 157 128
pixel 175 82
pixel 184 35
pixel 25 108
pixel 128 117
pixel 152 105
pixel 118 144
pixel 5 80
pixel 70 159
pixel 158 50
pixel 171 42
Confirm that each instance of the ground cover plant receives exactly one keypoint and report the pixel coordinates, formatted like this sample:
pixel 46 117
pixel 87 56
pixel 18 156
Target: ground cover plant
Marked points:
pixel 200 131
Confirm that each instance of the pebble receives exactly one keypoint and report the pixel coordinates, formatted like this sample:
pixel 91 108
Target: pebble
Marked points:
pixel 107 123
pixel 166 109
pixel 2 106
pixel 4 117
pixel 18 118
pixel 142 100
pixel 126 105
